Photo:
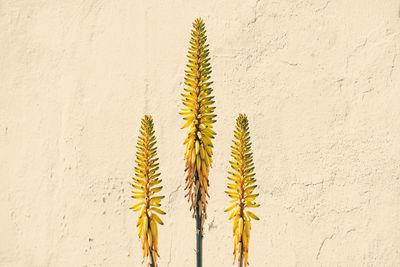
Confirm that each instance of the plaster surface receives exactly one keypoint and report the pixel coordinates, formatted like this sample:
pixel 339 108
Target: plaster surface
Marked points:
pixel 318 79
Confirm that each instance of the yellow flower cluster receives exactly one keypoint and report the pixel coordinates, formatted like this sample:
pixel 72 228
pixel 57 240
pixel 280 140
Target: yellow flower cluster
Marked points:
pixel 240 189
pixel 199 117
pixel 146 184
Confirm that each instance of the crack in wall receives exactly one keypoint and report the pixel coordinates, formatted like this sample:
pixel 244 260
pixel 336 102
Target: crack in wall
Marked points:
pixel 323 243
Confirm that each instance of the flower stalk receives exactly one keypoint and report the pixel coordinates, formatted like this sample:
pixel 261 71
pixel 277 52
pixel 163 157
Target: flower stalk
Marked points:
pixel 240 190
pixel 198 114
pixel 146 184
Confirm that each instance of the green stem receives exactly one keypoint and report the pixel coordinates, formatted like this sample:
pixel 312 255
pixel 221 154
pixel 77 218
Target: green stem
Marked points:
pixel 152 261
pixel 240 260
pixel 199 230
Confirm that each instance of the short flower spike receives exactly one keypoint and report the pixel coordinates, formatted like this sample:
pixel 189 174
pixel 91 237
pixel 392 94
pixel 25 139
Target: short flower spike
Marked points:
pixel 199 117
pixel 146 185
pixel 240 189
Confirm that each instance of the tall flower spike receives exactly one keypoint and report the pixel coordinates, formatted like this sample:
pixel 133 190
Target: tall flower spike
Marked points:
pixel 199 117
pixel 146 185
pixel 240 190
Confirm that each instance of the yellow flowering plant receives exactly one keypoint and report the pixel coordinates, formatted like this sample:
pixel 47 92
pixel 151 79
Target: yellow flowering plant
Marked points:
pixel 240 190
pixel 146 185
pixel 198 115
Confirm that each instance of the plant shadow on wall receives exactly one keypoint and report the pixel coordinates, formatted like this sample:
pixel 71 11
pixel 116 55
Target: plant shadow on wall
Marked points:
pixel 198 114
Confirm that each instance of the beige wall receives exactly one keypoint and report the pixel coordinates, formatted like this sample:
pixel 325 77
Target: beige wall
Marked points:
pixel 318 79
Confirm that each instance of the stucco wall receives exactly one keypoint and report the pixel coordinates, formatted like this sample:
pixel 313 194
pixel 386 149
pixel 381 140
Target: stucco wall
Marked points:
pixel 319 81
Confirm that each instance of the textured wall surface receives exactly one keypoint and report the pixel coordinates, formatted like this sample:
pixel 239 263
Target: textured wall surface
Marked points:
pixel 318 79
